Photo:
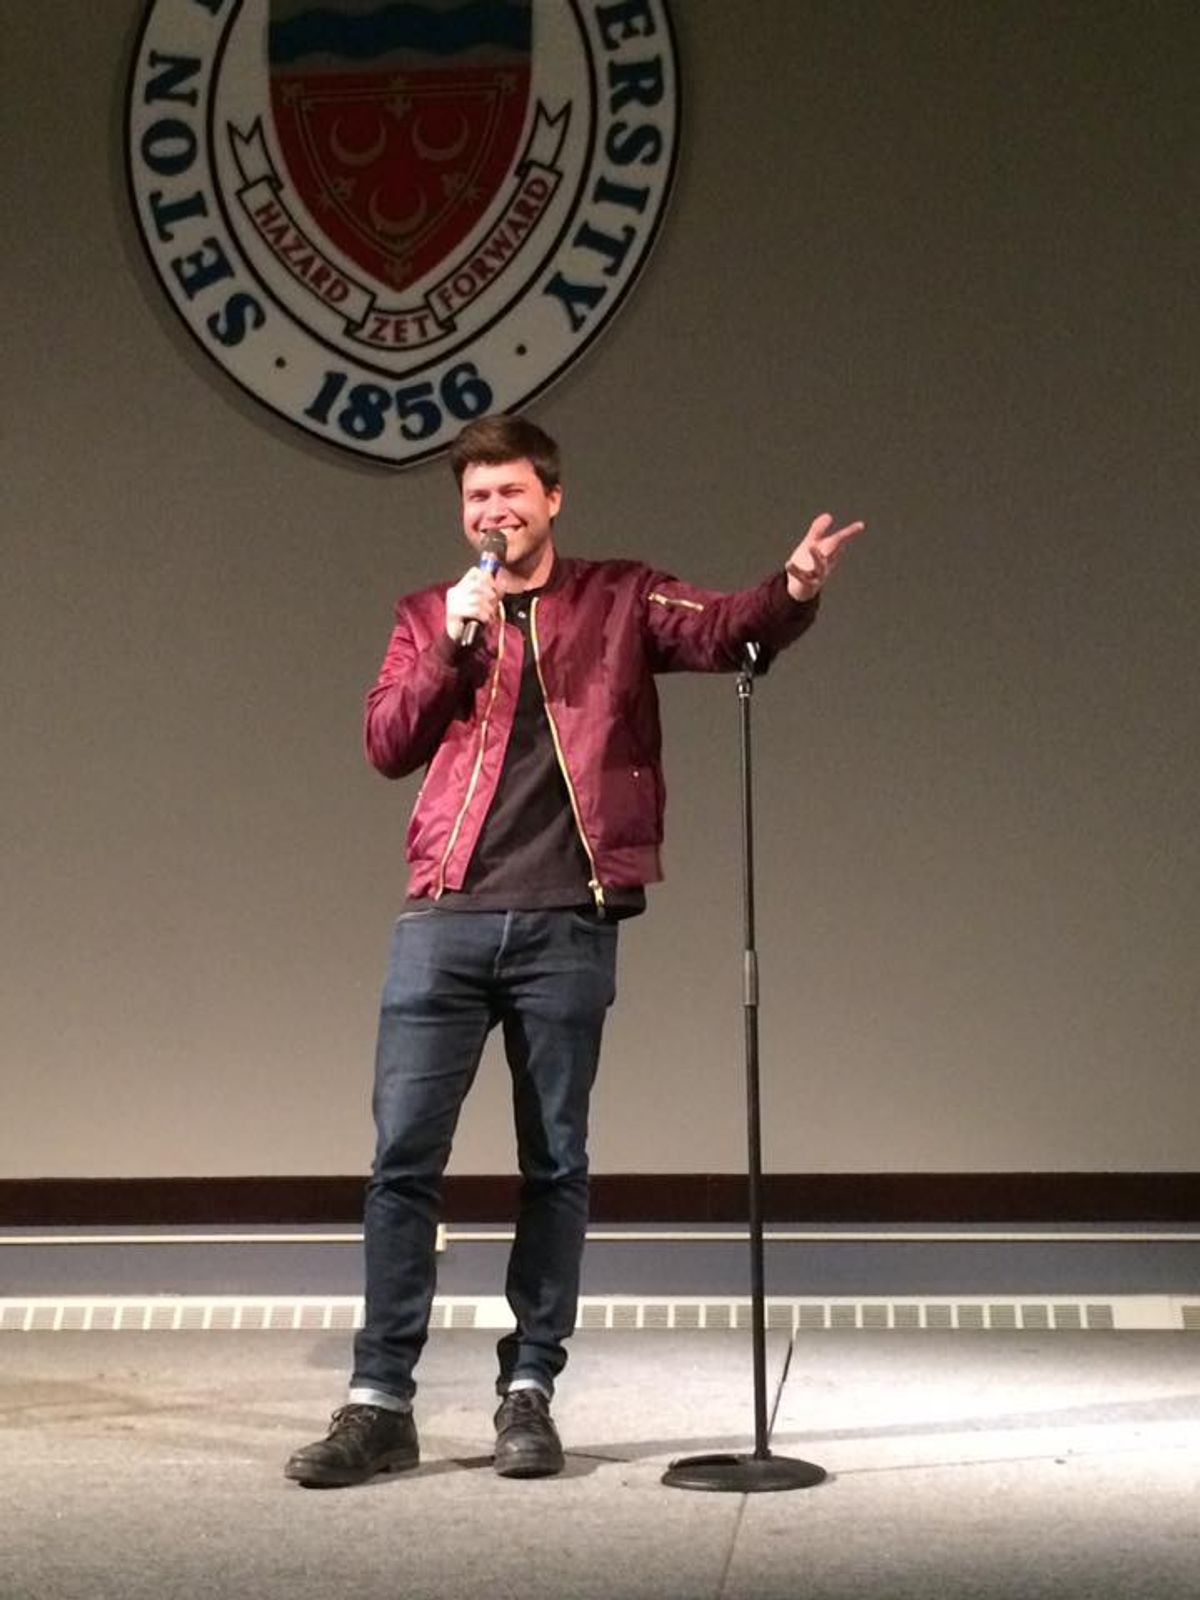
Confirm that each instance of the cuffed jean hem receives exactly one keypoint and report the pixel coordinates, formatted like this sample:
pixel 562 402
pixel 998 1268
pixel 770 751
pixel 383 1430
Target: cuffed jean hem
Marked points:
pixel 360 1395
pixel 542 1385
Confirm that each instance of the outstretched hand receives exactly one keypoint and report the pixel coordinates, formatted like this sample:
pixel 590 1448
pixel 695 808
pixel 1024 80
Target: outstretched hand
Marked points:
pixel 815 557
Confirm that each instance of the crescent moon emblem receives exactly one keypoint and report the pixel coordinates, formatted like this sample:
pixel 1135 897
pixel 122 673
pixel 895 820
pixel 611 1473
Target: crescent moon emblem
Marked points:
pixel 356 158
pixel 441 152
pixel 393 227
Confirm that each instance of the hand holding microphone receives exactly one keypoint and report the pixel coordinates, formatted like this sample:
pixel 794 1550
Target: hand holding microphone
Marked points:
pixel 474 600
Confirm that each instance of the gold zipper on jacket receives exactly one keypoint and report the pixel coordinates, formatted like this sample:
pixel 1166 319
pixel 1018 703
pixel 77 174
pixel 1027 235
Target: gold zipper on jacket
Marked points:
pixel 675 600
pixel 594 883
pixel 440 889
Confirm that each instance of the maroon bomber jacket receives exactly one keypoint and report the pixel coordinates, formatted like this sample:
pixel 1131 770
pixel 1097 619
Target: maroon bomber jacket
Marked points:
pixel 600 631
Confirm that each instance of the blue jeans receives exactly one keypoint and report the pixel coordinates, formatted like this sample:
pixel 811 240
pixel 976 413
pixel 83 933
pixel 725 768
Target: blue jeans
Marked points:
pixel 548 978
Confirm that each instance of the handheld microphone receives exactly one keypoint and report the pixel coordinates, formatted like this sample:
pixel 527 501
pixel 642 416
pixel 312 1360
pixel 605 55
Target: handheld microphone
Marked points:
pixel 492 552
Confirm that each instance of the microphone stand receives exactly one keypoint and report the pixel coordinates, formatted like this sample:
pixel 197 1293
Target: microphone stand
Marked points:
pixel 761 1471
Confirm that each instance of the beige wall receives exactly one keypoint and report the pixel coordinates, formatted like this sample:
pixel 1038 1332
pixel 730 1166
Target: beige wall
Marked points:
pixel 931 264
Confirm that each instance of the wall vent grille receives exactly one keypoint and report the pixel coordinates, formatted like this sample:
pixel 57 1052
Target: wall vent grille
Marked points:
pixel 194 1313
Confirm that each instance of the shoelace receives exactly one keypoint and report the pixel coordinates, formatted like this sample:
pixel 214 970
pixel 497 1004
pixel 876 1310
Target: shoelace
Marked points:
pixel 357 1417
pixel 526 1405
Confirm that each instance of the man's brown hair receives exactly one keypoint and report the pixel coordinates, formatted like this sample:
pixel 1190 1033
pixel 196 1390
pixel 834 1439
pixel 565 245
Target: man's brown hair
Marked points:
pixel 490 441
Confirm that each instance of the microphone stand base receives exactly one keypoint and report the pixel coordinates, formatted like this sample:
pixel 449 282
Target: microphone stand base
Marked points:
pixel 731 1474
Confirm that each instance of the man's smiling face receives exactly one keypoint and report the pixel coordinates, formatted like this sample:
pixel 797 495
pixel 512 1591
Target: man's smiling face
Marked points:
pixel 510 498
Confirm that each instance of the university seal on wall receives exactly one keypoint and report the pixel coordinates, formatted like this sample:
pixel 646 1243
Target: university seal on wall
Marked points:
pixel 384 219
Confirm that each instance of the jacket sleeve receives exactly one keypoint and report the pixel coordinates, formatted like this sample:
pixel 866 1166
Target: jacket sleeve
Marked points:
pixel 702 630
pixel 421 685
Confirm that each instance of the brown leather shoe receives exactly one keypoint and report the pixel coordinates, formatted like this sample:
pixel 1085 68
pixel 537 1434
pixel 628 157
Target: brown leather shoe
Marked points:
pixel 527 1442
pixel 362 1440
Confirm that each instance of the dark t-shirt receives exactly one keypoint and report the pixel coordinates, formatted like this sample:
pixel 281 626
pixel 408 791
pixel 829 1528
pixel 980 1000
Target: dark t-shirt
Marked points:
pixel 529 856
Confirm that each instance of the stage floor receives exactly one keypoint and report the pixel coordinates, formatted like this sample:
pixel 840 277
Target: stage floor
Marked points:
pixel 1035 1465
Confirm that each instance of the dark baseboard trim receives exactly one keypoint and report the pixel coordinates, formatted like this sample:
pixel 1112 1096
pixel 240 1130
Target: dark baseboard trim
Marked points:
pixel 691 1197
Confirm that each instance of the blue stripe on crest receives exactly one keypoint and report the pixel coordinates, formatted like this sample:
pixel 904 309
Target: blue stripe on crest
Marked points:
pixel 401 27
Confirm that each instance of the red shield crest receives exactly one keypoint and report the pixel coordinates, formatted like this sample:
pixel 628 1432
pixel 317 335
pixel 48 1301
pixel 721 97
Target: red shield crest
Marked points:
pixel 399 124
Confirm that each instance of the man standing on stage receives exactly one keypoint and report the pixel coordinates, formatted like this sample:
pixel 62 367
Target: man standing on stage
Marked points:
pixel 529 697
